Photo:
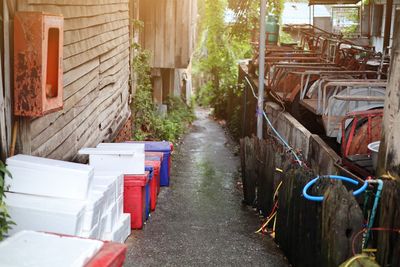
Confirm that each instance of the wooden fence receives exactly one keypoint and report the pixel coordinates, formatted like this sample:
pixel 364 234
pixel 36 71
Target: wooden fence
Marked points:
pixel 309 233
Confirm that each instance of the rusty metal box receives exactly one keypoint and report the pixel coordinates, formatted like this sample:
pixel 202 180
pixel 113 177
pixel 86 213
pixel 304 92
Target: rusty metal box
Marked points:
pixel 38 59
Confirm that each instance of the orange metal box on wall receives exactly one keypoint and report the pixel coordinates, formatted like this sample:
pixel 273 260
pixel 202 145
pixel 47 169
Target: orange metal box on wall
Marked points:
pixel 38 59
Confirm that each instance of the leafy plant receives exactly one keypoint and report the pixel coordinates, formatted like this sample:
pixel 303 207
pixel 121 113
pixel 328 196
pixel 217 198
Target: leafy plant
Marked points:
pixel 148 124
pixel 5 219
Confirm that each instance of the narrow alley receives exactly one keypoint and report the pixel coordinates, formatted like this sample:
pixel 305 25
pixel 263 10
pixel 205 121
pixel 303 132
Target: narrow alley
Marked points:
pixel 199 133
pixel 200 219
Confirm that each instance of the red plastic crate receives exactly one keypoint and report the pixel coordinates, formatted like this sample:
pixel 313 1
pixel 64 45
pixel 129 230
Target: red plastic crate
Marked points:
pixel 135 198
pixel 160 157
pixel 110 255
pixel 155 182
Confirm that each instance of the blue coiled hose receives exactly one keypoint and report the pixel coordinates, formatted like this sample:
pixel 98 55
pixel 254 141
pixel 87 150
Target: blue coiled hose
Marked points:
pixel 336 177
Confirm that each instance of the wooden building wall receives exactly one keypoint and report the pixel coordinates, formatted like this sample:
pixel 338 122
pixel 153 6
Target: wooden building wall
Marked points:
pixel 96 78
pixel 378 17
pixel 169 31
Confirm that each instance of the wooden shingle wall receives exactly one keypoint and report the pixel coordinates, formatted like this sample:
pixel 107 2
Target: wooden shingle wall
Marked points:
pixel 96 77
pixel 169 31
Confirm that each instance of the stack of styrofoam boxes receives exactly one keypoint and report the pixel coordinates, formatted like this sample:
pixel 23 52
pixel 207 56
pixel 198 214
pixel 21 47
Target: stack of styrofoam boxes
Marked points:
pixel 66 198
pixel 114 225
pixel 110 165
pixel 47 195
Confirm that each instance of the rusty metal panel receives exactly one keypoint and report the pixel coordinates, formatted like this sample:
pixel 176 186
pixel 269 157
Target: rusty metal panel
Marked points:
pixel 38 50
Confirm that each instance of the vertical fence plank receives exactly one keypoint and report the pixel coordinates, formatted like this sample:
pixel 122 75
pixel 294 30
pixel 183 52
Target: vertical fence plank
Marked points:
pixel 7 76
pixel 342 218
pixel 3 133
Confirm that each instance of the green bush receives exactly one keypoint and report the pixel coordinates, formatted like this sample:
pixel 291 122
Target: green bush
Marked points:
pixel 148 124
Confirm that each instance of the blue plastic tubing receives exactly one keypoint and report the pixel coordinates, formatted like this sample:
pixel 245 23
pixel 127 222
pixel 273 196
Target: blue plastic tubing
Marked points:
pixel 336 177
pixel 374 208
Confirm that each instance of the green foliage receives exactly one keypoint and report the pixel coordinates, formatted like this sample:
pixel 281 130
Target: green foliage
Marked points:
pixel 216 57
pixel 148 124
pixel 285 38
pixel 222 45
pixel 349 30
pixel 174 124
pixel 5 219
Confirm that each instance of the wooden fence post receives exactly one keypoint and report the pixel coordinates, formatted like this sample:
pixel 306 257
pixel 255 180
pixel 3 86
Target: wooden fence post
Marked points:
pixel 389 162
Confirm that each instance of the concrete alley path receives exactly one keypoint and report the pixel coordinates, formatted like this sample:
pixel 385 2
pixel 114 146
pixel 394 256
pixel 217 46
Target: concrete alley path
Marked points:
pixel 199 219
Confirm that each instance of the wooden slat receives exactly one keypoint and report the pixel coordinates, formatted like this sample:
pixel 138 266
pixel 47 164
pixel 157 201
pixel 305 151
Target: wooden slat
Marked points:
pixel 89 139
pixel 113 70
pixel 40 124
pixel 85 45
pixel 179 29
pixel 71 24
pixel 75 36
pixel 72 75
pixel 7 74
pixel 89 113
pixel 124 55
pixel 149 28
pixel 112 96
pixel 76 2
pixel 159 45
pixel 3 132
pixel 110 80
pixel 78 11
pixel 185 36
pixel 88 55
pixel 66 117
pixel 25 136
pixel 170 31
pixel 114 52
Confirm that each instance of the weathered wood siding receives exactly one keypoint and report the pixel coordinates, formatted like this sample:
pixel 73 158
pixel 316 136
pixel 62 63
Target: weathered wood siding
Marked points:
pixel 96 77
pixel 169 31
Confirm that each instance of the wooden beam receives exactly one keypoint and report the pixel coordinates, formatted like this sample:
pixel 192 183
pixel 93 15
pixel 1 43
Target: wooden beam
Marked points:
pixel 389 161
pixel 3 133
pixel 388 23
pixel 7 74
pixel 389 155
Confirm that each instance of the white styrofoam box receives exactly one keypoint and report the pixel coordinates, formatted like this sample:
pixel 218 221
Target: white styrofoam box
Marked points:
pixel 120 207
pixel 126 226
pixel 93 210
pixel 111 216
pixel 136 147
pixel 122 230
pixel 28 248
pixel 108 187
pixel 117 176
pixel 48 177
pixel 93 233
pixel 102 226
pixel 125 160
pixel 37 213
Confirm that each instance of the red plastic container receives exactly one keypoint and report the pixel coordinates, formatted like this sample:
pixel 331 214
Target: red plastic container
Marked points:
pixel 155 182
pixel 159 156
pixel 135 198
pixel 110 255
